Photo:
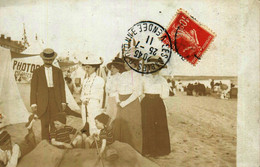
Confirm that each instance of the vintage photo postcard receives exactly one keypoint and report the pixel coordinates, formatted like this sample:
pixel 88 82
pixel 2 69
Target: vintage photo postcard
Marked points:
pixel 143 83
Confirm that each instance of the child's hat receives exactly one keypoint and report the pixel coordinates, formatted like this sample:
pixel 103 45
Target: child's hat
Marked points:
pixel 61 117
pixel 103 118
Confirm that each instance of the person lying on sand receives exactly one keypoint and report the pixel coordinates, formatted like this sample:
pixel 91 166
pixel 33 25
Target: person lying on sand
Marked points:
pixel 64 136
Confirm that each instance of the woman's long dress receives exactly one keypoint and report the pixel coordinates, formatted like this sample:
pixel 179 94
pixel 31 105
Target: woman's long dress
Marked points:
pixel 156 140
pixel 92 91
pixel 128 125
pixel 111 93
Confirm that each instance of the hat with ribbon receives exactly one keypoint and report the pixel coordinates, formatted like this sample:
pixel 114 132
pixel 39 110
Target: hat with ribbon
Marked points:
pixel 128 54
pixel 155 60
pixel 92 60
pixel 117 62
pixel 48 54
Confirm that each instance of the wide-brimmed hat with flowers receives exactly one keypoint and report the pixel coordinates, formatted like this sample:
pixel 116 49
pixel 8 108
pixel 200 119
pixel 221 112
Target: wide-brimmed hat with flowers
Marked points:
pixel 48 54
pixel 92 60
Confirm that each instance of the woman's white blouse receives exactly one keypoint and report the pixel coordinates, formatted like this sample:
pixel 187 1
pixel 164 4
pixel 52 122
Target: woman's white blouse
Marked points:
pixel 156 84
pixel 112 84
pixel 130 82
pixel 93 88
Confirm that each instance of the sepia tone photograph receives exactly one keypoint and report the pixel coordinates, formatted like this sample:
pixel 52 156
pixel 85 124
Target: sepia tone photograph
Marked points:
pixel 129 83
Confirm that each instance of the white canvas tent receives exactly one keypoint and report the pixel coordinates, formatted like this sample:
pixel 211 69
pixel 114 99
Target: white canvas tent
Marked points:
pixel 11 104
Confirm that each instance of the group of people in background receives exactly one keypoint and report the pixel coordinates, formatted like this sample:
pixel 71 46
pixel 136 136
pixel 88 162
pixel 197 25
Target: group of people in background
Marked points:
pixel 222 90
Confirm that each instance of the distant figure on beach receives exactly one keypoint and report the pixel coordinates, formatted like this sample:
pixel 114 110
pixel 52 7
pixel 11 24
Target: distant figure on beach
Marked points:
pixel 212 84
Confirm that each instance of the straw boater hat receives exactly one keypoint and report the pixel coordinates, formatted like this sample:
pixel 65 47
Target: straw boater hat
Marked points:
pixel 92 61
pixel 48 54
pixel 118 62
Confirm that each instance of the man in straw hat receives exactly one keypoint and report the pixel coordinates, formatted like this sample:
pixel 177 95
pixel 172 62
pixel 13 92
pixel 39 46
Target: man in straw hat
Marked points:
pixel 92 92
pixel 47 92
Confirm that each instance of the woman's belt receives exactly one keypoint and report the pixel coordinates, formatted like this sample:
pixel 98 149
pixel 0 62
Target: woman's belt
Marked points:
pixel 111 94
pixel 127 94
pixel 152 96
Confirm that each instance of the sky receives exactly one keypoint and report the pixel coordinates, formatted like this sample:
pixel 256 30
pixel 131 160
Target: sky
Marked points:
pixel 98 28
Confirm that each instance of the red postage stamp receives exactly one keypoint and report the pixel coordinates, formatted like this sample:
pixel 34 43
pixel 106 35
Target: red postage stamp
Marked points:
pixel 189 38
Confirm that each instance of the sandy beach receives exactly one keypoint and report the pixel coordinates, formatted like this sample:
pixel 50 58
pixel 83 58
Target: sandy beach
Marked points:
pixel 202 131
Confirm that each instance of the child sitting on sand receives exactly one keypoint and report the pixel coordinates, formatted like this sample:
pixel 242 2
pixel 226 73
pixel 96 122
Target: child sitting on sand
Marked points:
pixel 105 136
pixel 64 136
pixel 30 137
pixel 9 152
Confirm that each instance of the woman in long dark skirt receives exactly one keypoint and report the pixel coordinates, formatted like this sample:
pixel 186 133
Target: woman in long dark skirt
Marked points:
pixel 156 140
pixel 116 67
pixel 128 123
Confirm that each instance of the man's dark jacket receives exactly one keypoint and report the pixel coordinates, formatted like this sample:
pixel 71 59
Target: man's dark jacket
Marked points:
pixel 39 89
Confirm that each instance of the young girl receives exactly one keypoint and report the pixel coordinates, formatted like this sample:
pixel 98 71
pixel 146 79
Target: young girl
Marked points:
pixel 105 136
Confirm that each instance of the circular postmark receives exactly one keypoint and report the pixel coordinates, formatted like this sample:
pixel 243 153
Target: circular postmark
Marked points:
pixel 143 43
